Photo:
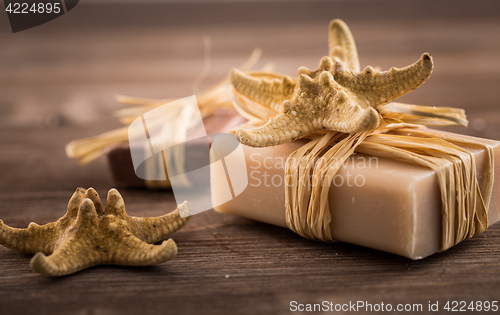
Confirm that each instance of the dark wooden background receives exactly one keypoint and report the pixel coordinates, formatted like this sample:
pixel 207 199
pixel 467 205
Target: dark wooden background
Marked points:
pixel 58 81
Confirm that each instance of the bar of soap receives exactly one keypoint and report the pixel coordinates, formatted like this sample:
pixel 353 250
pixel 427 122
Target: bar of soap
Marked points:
pixel 120 159
pixel 379 203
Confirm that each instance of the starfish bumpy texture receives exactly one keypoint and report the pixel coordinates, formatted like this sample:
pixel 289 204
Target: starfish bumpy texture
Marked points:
pixel 88 235
pixel 335 97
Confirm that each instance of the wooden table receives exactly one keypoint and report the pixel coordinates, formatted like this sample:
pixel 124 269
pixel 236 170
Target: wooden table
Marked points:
pixel 58 81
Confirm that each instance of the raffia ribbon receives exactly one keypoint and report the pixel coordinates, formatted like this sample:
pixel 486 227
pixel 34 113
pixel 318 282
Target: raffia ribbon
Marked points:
pixel 403 136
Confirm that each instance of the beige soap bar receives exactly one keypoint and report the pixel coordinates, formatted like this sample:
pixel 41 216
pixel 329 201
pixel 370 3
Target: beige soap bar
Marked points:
pixel 378 203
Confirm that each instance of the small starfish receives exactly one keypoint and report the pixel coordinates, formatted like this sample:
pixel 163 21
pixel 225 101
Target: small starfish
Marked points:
pixel 334 97
pixel 88 235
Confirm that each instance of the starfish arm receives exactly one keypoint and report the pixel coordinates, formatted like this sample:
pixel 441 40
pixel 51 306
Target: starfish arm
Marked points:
pixel 87 216
pixel 41 238
pixel 71 256
pixel 134 252
pixel 379 88
pixel 75 252
pixel 152 230
pixel 74 203
pixel 351 118
pixel 92 194
pixel 341 45
pixel 33 239
pixel 283 128
pixel 270 93
pixel 115 205
pixel 325 64
pixel 341 111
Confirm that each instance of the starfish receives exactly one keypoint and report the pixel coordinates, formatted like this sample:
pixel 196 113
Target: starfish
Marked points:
pixel 337 96
pixel 88 235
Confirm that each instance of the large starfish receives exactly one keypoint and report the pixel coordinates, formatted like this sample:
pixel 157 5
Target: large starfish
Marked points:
pixel 334 97
pixel 88 235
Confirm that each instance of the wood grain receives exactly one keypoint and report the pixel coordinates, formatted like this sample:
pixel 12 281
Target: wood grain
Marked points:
pixel 57 83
